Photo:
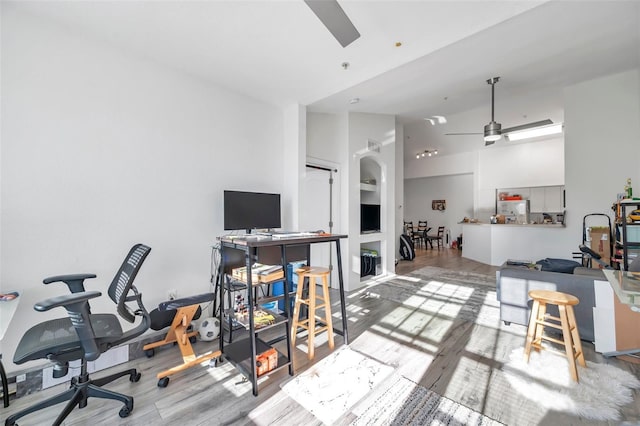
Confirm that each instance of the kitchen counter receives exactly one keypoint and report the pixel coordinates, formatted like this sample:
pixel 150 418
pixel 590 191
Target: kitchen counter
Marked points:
pixel 494 244
pixel 520 225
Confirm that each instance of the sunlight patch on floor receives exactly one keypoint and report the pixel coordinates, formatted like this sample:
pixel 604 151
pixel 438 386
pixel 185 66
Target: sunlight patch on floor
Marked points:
pixel 412 326
pixel 407 278
pixel 229 377
pixel 489 314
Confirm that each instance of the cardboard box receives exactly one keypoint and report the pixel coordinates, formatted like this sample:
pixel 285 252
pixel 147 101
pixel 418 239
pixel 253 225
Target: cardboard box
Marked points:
pixel 601 244
pixel 266 361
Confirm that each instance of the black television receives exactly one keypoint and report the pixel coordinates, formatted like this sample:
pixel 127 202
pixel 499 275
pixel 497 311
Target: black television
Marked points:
pixel 369 218
pixel 251 210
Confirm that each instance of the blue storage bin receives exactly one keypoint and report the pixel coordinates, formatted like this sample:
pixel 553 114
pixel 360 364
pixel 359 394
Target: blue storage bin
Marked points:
pixel 293 280
pixel 270 305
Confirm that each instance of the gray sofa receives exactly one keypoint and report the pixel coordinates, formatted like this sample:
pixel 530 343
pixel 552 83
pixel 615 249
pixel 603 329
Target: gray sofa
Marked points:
pixel 514 282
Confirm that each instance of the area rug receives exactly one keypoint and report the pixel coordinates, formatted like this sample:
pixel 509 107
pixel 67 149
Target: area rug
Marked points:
pixel 332 386
pixel 545 380
pixel 407 403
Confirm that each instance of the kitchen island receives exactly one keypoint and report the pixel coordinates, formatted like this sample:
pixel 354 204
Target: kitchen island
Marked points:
pixel 493 244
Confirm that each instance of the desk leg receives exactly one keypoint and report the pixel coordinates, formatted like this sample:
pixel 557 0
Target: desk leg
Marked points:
pixel 249 258
pixel 343 306
pixel 5 385
pixel 287 307
pixel 221 299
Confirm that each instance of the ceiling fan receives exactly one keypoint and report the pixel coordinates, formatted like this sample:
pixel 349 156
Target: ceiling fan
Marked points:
pixel 337 22
pixel 493 131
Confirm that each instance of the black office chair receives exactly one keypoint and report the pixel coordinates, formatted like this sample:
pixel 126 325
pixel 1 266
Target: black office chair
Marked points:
pixel 85 336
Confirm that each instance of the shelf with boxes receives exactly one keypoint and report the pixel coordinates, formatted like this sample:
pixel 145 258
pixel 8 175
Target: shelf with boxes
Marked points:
pixel 628 230
pixel 267 284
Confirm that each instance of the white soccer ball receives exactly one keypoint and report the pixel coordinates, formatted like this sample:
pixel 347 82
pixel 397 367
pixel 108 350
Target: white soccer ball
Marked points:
pixel 209 329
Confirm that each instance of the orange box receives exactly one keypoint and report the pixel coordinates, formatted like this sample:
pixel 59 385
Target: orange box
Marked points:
pixel 266 361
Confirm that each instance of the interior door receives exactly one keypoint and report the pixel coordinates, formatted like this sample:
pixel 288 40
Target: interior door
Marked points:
pixel 319 211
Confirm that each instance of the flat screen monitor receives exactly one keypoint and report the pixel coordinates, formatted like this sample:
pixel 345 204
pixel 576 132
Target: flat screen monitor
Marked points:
pixel 369 218
pixel 251 210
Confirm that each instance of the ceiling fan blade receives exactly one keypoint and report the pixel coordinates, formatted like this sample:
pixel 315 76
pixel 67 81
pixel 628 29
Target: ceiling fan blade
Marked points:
pixel 337 22
pixel 527 126
pixel 458 134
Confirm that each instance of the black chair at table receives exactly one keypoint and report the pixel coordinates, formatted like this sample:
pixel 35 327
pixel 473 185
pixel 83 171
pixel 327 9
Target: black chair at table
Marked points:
pixel 438 238
pixel 421 232
pixel 410 231
pixel 84 336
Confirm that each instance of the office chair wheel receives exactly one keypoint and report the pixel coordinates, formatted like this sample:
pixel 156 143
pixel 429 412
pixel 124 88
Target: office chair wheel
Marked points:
pixel 150 353
pixel 135 377
pixel 125 411
pixel 162 383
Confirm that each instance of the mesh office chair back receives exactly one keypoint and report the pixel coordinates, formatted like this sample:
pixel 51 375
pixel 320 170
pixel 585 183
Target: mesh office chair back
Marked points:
pixel 123 281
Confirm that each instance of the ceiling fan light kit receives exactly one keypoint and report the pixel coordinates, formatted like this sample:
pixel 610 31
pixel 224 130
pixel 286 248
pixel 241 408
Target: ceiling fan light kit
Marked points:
pixel 492 133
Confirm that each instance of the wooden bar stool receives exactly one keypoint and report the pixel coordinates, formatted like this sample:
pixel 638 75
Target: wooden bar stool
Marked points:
pixel 312 274
pixel 566 322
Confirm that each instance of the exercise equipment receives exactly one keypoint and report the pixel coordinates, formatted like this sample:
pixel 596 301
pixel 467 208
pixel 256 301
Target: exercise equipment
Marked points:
pixel 184 310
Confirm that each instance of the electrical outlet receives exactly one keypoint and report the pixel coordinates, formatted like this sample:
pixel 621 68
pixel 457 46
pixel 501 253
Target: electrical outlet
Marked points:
pixel 173 294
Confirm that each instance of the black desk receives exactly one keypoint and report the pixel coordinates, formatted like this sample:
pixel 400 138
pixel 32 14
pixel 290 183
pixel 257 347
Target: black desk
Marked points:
pixel 237 351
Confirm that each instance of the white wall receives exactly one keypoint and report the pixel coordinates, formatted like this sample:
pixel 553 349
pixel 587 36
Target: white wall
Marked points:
pixel 327 143
pixel 454 164
pixel 456 190
pixel 602 145
pixel 100 151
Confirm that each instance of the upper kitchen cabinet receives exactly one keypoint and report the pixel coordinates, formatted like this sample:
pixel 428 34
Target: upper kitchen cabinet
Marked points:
pixel 546 199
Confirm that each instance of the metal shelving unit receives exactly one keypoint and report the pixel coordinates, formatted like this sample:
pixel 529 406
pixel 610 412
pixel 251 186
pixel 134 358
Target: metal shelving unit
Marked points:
pixel 630 239
pixel 242 352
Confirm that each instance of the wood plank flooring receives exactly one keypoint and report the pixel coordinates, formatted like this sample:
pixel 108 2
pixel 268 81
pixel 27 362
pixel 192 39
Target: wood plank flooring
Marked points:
pixel 453 357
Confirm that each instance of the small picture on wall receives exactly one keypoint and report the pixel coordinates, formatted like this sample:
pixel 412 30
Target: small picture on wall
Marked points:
pixel 438 205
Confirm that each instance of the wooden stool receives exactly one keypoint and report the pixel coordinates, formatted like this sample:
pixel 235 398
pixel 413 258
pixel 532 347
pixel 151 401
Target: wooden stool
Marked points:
pixel 567 323
pixel 312 273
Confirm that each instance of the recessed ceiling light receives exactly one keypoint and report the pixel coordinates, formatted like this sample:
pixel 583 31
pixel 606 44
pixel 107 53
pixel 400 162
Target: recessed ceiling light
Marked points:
pixel 354 101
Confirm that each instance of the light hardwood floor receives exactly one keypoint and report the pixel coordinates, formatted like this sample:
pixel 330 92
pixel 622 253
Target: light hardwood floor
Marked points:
pixel 436 357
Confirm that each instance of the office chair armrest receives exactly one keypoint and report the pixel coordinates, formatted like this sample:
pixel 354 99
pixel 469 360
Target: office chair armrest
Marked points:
pixel 66 300
pixel 75 282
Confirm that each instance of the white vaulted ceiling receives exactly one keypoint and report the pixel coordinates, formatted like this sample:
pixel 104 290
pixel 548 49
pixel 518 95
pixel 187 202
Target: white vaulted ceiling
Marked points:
pixel 280 53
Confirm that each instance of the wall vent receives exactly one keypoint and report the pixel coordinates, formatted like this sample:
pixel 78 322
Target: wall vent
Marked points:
pixel 373 146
